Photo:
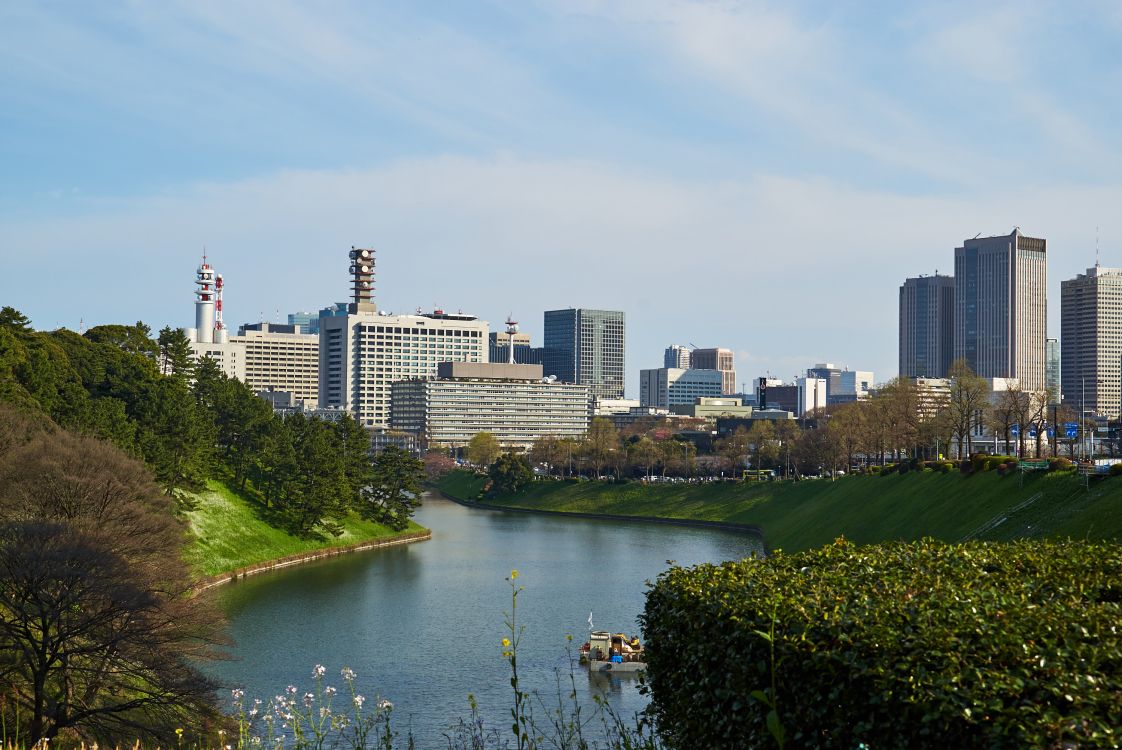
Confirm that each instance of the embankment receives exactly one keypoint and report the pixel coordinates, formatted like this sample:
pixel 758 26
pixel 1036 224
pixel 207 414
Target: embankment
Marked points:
pixel 865 509
pixel 230 538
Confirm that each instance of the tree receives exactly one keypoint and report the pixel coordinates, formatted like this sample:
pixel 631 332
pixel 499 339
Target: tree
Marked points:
pixel 735 449
pixel 175 358
pixel 135 339
pixel 967 403
pixel 601 442
pixel 482 449
pixel 511 473
pixel 96 633
pixel 437 465
pixel 644 452
pixel 396 488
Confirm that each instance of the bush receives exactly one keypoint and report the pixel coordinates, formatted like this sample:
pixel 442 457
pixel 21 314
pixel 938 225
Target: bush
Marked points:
pixel 1116 470
pixel 966 466
pixel 887 469
pixel 894 645
pixel 1059 464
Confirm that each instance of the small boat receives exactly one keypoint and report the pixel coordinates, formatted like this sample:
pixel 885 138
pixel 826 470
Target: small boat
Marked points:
pixel 615 653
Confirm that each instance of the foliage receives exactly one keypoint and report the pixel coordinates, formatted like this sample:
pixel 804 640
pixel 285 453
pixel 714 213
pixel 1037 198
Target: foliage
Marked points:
pixel 437 465
pixel 511 473
pixel 398 477
pixel 482 449
pixel 96 635
pixel 904 644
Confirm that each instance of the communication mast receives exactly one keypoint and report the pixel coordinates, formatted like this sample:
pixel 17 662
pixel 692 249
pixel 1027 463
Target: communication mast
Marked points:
pixel 205 298
pixel 511 329
pixel 362 276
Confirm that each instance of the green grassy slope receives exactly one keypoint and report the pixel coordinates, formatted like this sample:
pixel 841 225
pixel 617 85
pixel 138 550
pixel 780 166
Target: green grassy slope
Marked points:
pixel 865 509
pixel 229 534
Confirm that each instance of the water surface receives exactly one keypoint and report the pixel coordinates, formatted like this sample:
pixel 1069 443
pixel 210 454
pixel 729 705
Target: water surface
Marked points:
pixel 421 624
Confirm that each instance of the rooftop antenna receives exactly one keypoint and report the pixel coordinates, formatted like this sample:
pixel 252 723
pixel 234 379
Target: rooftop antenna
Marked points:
pixel 511 329
pixel 81 325
pixel 1096 246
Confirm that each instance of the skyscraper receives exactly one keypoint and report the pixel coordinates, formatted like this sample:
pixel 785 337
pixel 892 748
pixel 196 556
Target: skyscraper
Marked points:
pixel 1091 338
pixel 1052 369
pixel 1001 307
pixel 586 347
pixel 926 326
pixel 677 357
pixel 720 360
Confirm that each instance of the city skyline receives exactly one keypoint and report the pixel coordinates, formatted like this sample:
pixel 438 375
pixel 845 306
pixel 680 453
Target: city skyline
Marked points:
pixel 733 168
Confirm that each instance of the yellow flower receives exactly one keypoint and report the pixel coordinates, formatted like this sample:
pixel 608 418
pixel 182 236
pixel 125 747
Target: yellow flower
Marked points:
pixel 506 643
pixel 513 574
pixel 179 731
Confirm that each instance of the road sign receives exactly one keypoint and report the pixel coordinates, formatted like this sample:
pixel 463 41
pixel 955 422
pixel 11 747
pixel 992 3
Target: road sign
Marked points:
pixel 1015 430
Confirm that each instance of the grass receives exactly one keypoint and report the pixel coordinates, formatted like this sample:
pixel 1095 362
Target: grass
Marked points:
pixel 865 509
pixel 230 534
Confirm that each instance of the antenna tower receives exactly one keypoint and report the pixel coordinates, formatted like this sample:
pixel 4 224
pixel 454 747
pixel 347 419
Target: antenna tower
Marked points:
pixel 362 276
pixel 511 329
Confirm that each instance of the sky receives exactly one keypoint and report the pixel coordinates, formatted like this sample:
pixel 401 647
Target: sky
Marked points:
pixel 756 176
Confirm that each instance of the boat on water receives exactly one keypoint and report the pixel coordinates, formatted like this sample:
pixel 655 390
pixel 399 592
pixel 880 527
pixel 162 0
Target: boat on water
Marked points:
pixel 617 653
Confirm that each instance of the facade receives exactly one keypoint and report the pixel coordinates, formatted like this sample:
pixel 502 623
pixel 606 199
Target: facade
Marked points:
pixel 307 321
pixel 927 326
pixel 1001 307
pixel 512 402
pixel 279 357
pixel 676 356
pixel 853 385
pixel 587 347
pixel 720 360
pixel 363 353
pixel 605 407
pixel 1052 370
pixel 811 395
pixel 712 408
pixel 669 386
pixel 1091 334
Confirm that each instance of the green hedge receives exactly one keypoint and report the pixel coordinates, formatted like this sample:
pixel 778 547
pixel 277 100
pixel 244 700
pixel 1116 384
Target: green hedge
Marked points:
pixel 919 644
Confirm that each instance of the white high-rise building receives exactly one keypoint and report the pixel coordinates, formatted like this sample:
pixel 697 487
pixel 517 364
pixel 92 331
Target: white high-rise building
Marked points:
pixel 812 395
pixel 676 356
pixel 365 351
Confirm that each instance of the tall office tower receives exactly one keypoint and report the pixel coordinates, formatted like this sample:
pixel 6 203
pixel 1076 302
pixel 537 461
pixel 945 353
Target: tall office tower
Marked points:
pixel 586 347
pixel 672 386
pixel 1001 307
pixel 364 351
pixel 308 321
pixel 1052 369
pixel 1091 337
pixel 677 357
pixel 926 326
pixel 498 348
pixel 716 359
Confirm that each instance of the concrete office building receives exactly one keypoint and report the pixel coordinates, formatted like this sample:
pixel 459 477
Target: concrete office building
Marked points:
pixel 926 326
pixel 720 360
pixel 307 321
pixel 676 356
pixel 1001 307
pixel 665 387
pixel 1091 338
pixel 512 402
pixel 1052 371
pixel 363 352
pixel 586 347
pixel 811 395
pixel 279 357
pixel 712 408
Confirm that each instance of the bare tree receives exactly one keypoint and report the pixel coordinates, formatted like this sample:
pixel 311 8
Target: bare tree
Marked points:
pixel 967 404
pixel 97 634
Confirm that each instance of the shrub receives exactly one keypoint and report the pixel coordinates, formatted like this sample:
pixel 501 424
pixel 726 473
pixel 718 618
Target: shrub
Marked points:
pixel 966 466
pixel 904 467
pixel 887 469
pixel 1059 464
pixel 893 645
pixel 1115 470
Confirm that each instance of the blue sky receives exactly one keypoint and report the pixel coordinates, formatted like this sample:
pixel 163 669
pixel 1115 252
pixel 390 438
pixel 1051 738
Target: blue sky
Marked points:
pixel 761 177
